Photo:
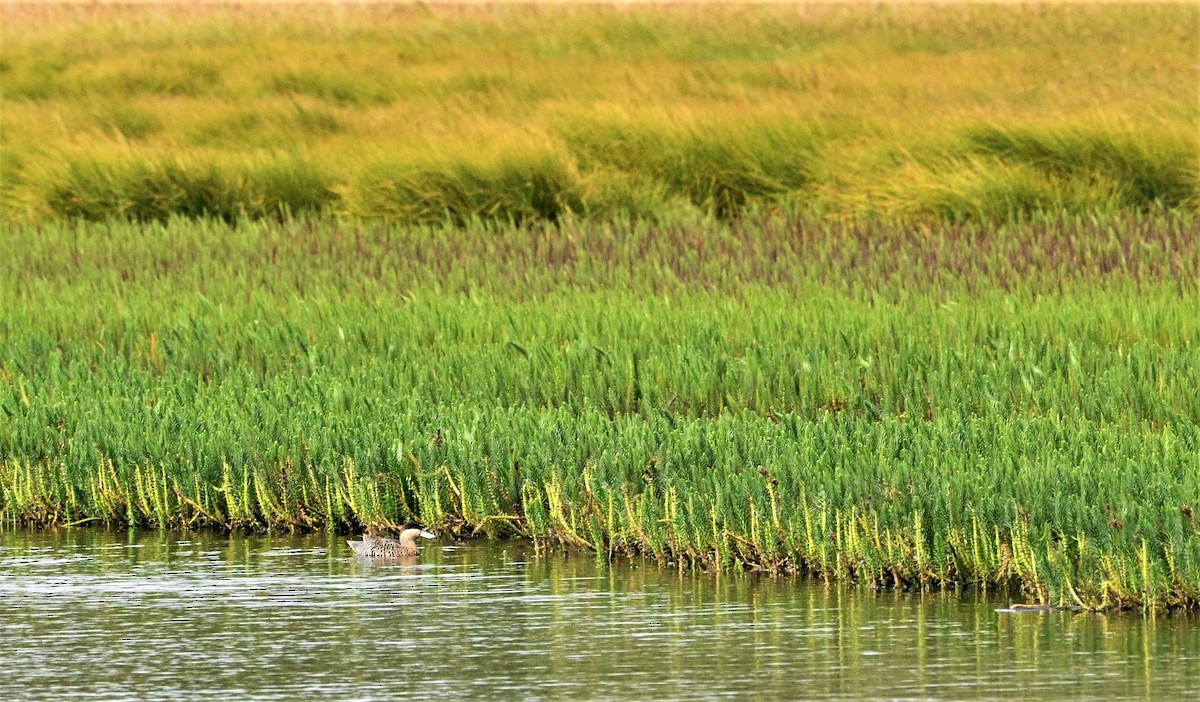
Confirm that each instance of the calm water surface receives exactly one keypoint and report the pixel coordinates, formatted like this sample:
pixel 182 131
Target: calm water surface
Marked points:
pixel 116 616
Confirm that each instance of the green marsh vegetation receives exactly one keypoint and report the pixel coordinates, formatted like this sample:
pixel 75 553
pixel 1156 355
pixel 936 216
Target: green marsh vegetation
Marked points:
pixel 999 405
pixel 883 296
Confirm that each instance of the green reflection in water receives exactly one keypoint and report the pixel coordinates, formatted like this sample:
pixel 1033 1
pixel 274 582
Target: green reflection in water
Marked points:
pixel 114 615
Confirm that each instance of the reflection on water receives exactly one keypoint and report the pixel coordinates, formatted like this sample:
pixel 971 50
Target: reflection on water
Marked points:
pixel 114 616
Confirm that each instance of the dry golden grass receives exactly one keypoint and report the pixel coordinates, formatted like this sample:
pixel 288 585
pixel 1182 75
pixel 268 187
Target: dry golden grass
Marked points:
pixel 879 104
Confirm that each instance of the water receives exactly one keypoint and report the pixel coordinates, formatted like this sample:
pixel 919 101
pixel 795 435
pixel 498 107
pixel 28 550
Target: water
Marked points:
pixel 94 615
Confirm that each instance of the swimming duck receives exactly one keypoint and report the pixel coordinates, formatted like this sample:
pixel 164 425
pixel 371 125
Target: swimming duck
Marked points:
pixel 1037 608
pixel 373 546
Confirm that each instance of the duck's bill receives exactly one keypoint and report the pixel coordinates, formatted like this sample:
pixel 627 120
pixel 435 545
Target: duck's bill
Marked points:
pixel 427 535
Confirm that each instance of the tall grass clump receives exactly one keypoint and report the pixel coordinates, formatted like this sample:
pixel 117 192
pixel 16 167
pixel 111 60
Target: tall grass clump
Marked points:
pixel 127 188
pixel 1146 168
pixel 719 168
pixel 505 187
pixel 1016 173
pixel 981 190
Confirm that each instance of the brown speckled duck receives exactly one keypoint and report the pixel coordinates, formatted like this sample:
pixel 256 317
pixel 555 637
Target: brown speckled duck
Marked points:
pixel 380 547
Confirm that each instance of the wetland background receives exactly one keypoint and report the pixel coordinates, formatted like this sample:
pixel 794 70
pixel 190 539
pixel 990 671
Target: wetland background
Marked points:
pixel 901 295
pixel 434 113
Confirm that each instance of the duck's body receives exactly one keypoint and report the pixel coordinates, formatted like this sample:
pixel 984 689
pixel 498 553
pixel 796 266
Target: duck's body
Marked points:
pixel 1037 608
pixel 380 547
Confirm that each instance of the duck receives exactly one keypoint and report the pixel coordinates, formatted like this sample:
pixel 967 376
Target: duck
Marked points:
pixel 373 546
pixel 1037 608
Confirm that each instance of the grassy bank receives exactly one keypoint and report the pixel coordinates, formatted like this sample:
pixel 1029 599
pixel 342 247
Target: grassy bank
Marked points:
pixel 902 295
pixel 999 405
pixel 421 114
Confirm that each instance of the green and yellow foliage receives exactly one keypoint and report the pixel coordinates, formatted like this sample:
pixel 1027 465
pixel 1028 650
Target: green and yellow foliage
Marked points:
pixel 419 113
pixel 1010 406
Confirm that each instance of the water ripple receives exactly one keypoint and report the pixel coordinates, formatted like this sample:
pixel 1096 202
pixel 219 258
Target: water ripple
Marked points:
pixel 100 617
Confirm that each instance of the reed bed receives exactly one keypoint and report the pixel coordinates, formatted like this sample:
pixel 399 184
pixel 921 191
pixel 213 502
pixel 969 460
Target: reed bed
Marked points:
pixel 904 296
pixel 423 113
pixel 1003 405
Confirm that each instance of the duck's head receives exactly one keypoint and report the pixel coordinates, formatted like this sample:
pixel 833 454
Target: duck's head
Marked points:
pixel 413 530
